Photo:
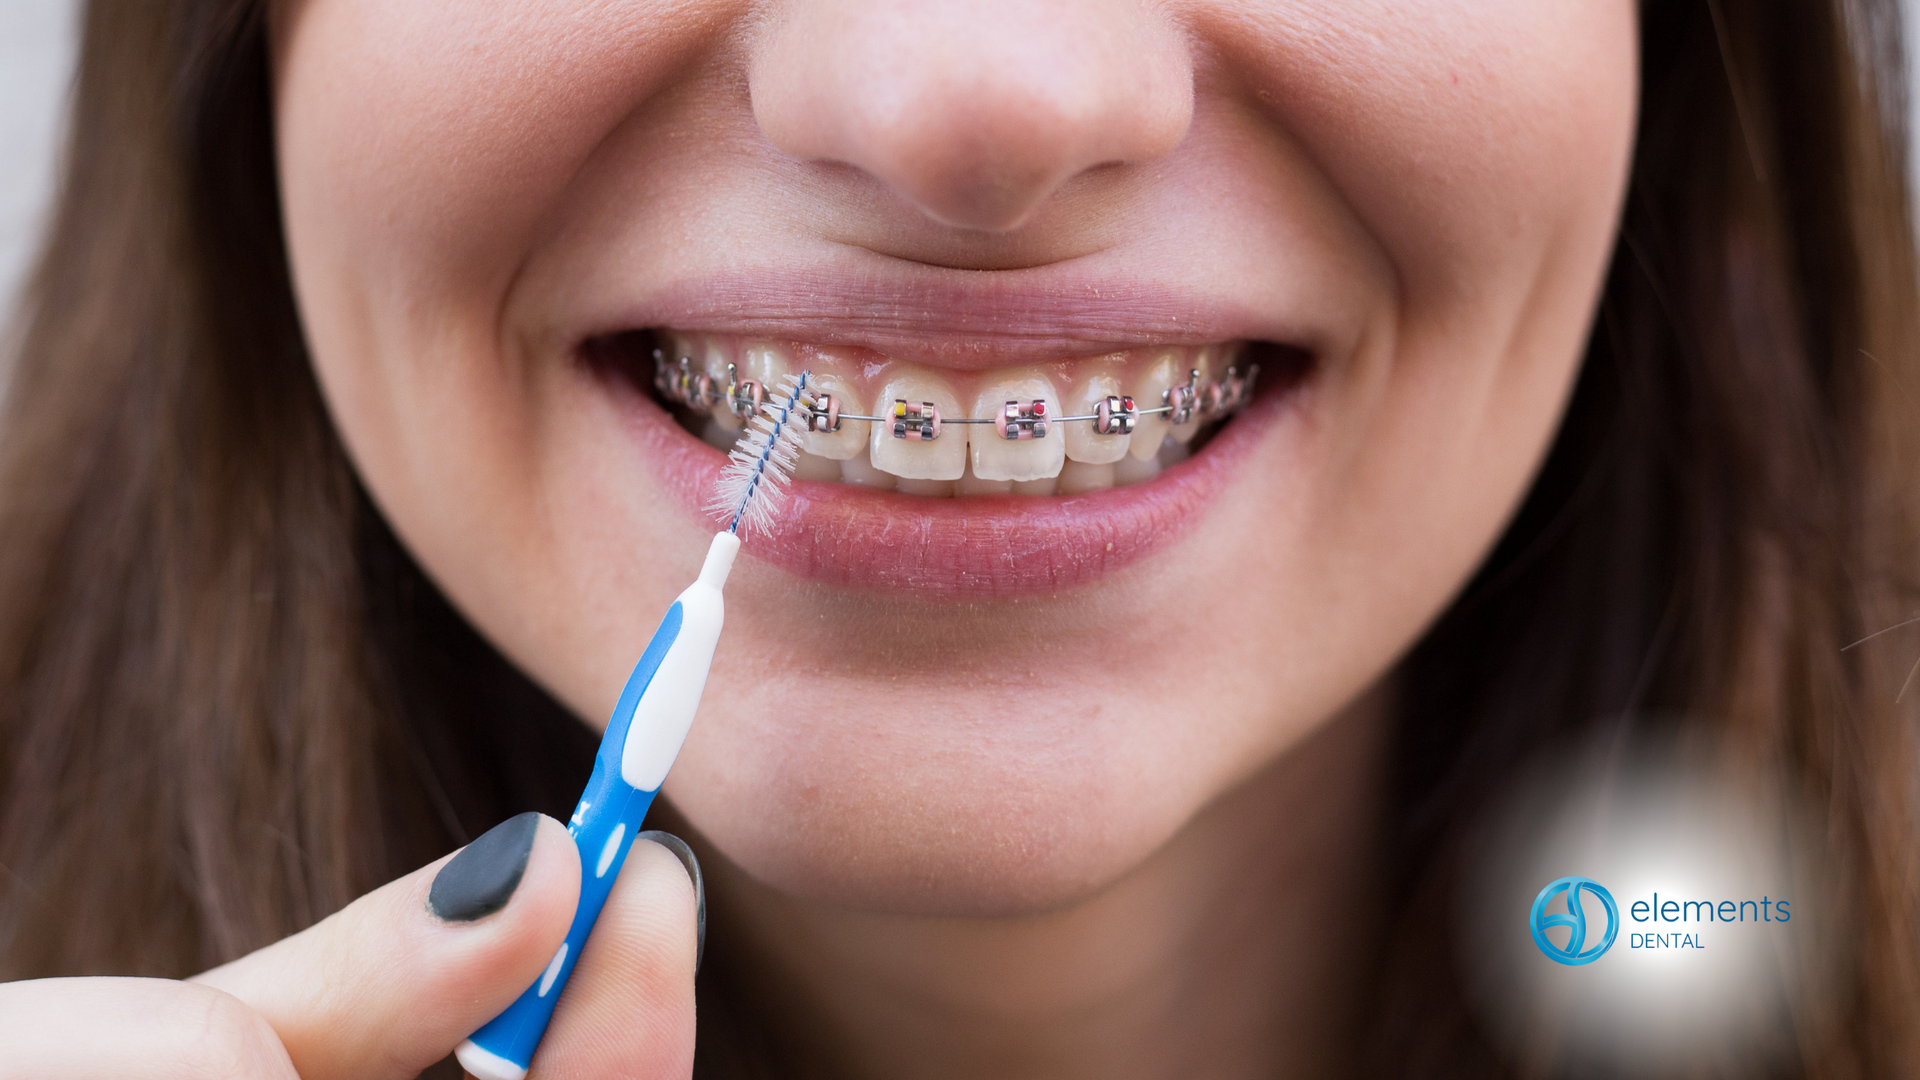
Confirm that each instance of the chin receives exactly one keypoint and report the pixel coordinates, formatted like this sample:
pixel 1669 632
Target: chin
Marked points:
pixel 921 827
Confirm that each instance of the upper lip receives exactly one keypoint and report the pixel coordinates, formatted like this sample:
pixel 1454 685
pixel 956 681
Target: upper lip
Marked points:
pixel 962 319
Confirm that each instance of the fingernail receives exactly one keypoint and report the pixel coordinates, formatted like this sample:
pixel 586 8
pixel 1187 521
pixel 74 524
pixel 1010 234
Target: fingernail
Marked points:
pixel 687 859
pixel 481 879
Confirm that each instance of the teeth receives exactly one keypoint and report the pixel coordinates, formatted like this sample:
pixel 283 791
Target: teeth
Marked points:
pixel 1082 442
pixel 851 440
pixel 943 458
pixel 969 484
pixel 1037 457
pixel 1071 458
pixel 815 467
pixel 1204 362
pixel 718 435
pixel 1079 477
pixel 1161 375
pixel 859 470
pixel 938 489
pixel 715 365
pixel 1133 470
pixel 765 363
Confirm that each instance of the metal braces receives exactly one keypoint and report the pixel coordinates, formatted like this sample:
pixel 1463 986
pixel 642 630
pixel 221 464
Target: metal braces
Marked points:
pixel 1115 416
pixel 911 419
pixel 921 420
pixel 679 382
pixel 1017 421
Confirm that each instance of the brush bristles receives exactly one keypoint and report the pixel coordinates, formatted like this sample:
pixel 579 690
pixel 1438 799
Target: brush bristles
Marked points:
pixel 753 486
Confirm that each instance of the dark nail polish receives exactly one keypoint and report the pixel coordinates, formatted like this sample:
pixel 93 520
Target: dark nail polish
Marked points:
pixel 481 879
pixel 687 859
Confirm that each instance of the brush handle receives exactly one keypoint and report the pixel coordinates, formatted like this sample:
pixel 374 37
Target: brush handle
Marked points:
pixel 644 735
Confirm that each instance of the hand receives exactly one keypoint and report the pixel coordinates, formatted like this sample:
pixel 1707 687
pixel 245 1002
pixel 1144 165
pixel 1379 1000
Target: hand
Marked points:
pixel 385 987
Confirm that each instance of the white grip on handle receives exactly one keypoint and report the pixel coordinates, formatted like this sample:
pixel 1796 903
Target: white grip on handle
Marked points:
pixel 666 709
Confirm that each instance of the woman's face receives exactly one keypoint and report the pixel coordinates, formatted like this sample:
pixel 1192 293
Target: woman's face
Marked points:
pixel 941 690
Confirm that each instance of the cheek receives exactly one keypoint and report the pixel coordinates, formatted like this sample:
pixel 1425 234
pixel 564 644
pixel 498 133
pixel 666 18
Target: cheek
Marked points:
pixel 1464 128
pixel 423 148
pixel 1484 147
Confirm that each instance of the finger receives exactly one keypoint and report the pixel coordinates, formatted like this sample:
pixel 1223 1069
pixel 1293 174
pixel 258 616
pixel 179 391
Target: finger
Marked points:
pixel 133 1029
pixel 629 1009
pixel 386 987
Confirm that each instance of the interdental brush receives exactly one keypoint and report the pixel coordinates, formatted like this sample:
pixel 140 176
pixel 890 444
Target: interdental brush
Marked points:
pixel 656 708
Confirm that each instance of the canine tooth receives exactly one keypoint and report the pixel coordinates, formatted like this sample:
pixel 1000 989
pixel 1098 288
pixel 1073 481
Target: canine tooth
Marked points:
pixel 1133 470
pixel 860 470
pixel 1161 375
pixel 764 363
pixel 815 467
pixel 942 458
pixel 1082 442
pixel 1046 485
pixel 969 484
pixel 938 489
pixel 1036 457
pixel 1203 362
pixel 851 440
pixel 1080 477
pixel 716 368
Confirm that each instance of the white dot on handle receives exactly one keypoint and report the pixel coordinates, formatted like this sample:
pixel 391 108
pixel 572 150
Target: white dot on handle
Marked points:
pixel 553 971
pixel 613 848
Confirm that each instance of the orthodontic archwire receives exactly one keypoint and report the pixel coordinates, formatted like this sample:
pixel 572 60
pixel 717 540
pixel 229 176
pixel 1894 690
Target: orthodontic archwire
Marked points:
pixel 1116 414
pixel 655 710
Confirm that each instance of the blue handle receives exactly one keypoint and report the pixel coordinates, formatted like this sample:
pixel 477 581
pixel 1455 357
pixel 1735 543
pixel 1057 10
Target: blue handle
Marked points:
pixel 603 828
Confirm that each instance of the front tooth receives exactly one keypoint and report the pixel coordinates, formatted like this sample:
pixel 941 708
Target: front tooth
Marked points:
pixel 859 470
pixel 1162 373
pixel 1082 442
pixel 945 457
pixel 969 484
pixel 938 489
pixel 996 457
pixel 851 440
pixel 1078 477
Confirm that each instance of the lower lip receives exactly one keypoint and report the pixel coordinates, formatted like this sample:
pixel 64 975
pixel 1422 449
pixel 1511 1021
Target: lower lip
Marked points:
pixel 972 547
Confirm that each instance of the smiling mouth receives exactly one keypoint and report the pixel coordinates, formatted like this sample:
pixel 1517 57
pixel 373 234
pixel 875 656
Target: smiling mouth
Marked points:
pixel 967 514
pixel 1061 428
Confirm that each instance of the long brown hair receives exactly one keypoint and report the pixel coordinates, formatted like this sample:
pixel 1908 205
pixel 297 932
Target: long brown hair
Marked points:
pixel 229 700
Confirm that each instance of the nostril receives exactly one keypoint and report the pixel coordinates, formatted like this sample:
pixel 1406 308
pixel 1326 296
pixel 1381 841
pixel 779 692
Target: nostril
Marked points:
pixel 975 112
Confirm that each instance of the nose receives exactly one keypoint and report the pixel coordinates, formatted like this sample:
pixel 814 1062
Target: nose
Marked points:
pixel 974 110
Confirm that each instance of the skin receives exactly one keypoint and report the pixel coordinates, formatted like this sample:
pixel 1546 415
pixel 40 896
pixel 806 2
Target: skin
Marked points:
pixel 1423 193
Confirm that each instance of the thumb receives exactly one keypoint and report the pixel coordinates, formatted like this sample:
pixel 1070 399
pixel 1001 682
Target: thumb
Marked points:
pixel 391 983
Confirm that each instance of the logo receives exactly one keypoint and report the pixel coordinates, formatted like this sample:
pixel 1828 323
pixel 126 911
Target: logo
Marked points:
pixel 1577 891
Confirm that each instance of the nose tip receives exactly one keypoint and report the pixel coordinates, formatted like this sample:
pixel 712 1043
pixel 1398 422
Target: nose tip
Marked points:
pixel 974 110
